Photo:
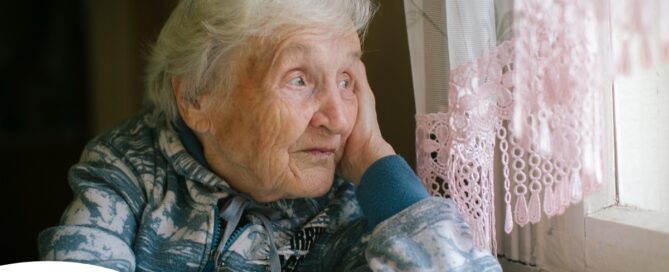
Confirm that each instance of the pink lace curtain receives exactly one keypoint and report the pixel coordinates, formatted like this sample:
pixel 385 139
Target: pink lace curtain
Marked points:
pixel 538 99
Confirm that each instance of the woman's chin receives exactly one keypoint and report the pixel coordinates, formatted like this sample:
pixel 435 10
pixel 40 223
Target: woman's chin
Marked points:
pixel 313 185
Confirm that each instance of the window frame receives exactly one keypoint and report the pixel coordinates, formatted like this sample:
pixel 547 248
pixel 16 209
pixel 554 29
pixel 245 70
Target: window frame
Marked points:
pixel 619 237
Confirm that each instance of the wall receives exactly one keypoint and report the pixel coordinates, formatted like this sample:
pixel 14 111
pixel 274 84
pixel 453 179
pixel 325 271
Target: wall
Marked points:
pixel 386 54
pixel 43 117
pixel 120 34
pixel 68 70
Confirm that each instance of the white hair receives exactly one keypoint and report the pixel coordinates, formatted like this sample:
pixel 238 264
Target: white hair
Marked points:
pixel 197 41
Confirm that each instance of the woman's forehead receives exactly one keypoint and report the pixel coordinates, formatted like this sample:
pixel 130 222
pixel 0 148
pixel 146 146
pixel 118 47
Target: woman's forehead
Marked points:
pixel 264 56
pixel 307 44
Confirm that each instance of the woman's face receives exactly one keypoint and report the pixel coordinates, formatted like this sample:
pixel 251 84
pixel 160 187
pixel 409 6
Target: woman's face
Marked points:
pixel 280 132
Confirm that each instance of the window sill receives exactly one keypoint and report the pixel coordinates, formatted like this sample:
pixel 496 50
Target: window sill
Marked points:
pixel 622 238
pixel 630 217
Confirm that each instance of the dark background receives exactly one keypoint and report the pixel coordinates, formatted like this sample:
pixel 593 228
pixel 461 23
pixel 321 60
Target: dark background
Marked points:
pixel 72 69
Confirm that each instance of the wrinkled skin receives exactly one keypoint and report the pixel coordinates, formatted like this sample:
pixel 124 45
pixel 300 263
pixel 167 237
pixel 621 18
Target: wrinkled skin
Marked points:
pixel 300 109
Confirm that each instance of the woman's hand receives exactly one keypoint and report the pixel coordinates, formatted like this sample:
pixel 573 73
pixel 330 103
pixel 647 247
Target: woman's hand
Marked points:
pixel 365 145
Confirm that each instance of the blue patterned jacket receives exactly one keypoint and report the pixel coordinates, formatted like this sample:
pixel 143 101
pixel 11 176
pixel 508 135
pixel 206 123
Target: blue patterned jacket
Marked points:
pixel 143 203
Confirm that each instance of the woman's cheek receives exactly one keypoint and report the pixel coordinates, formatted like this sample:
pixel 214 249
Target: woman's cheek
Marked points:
pixel 276 127
pixel 279 131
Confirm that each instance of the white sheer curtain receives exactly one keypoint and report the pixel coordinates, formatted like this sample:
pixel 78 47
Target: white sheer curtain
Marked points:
pixel 509 114
pixel 444 35
pixel 466 41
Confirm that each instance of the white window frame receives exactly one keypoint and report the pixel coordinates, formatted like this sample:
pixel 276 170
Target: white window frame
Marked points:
pixel 622 238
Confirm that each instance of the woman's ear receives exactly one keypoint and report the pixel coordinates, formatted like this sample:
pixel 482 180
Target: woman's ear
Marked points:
pixel 192 110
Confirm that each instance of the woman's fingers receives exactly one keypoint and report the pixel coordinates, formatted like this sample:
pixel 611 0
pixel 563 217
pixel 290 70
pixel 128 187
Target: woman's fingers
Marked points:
pixel 365 145
pixel 362 89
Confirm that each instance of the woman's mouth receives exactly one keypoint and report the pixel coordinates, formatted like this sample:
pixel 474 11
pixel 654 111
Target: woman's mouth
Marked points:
pixel 320 152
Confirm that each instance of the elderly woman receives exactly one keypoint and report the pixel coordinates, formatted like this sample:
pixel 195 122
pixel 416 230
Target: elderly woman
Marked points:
pixel 260 150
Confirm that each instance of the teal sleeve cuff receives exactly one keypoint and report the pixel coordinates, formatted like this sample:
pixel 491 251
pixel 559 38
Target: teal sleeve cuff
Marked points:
pixel 387 187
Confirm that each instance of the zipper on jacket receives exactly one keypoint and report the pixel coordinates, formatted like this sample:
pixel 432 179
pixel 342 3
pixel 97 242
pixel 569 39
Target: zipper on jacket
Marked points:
pixel 218 225
pixel 210 266
pixel 217 231
pixel 234 236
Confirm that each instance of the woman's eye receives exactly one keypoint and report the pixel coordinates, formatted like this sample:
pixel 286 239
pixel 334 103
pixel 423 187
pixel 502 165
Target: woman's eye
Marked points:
pixel 298 81
pixel 345 84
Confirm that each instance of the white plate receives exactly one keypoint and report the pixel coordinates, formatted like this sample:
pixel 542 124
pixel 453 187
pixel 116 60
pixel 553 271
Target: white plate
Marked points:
pixel 52 267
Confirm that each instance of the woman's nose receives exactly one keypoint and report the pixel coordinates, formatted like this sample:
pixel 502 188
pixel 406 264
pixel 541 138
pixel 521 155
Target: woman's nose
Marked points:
pixel 332 110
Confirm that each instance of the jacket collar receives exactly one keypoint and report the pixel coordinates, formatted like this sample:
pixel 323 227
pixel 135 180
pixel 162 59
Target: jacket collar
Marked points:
pixel 187 159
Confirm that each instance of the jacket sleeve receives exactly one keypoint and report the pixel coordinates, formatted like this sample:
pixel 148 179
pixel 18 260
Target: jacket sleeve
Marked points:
pixel 428 236
pixel 411 231
pixel 99 224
